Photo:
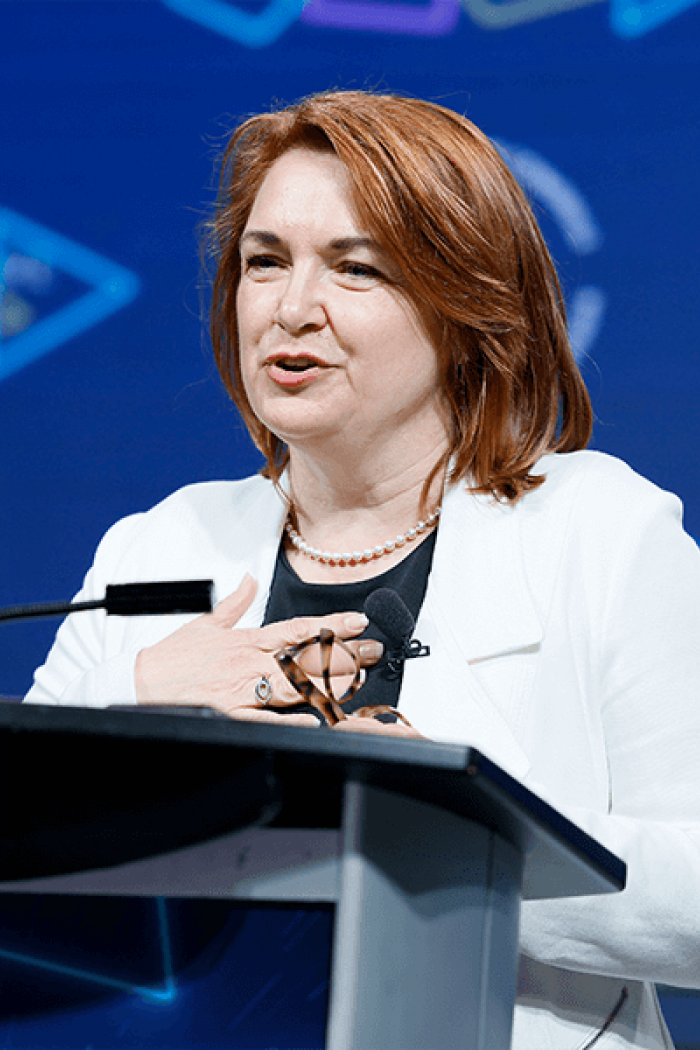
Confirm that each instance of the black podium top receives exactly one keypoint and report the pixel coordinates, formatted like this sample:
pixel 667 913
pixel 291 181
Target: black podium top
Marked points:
pixel 87 788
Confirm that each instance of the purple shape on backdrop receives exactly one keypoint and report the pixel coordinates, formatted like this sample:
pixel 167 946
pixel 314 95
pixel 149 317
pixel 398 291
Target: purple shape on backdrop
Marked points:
pixel 437 19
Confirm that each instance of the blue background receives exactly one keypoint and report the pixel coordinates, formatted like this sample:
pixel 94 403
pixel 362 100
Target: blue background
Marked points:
pixel 111 115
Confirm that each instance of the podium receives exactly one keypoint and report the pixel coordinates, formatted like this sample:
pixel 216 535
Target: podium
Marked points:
pixel 425 849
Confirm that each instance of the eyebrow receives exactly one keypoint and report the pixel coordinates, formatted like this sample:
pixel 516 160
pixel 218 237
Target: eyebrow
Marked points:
pixel 270 240
pixel 340 244
pixel 347 244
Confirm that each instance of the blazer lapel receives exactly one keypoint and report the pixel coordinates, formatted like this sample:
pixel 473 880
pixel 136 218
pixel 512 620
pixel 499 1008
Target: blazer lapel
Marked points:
pixel 257 538
pixel 477 606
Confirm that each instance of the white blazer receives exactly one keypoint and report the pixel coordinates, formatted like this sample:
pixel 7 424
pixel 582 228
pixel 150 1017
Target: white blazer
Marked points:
pixel 565 644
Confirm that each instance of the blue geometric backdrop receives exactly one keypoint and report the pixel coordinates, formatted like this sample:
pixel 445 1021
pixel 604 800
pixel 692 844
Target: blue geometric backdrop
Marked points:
pixel 111 114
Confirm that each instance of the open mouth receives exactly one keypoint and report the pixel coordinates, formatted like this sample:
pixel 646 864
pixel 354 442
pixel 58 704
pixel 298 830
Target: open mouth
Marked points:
pixel 296 364
pixel 295 370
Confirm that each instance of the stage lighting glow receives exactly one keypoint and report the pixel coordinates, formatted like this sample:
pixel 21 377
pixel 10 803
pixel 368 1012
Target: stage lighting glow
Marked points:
pixel 164 994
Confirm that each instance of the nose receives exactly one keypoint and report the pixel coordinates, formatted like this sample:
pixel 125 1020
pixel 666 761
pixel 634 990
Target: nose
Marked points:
pixel 300 304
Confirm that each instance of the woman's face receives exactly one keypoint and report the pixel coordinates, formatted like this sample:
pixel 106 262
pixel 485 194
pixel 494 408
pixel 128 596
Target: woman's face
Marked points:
pixel 333 354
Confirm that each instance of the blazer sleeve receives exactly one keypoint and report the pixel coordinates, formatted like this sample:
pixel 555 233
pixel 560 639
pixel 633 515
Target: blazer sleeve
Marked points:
pixel 644 624
pixel 82 669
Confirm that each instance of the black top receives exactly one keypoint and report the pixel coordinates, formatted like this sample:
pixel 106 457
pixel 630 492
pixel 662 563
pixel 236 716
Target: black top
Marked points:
pixel 290 596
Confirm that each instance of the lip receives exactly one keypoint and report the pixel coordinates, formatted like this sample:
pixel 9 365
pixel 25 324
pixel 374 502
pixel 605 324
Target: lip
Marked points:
pixel 290 379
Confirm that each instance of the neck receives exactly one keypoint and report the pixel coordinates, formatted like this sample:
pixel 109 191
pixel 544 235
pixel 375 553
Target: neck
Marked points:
pixel 342 507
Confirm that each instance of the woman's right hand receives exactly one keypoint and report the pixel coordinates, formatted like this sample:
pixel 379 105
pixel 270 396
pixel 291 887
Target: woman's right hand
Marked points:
pixel 209 662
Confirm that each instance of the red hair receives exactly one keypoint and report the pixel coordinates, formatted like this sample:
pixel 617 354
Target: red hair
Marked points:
pixel 435 193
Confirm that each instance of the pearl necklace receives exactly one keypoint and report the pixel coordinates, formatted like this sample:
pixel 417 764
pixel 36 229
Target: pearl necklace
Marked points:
pixel 359 557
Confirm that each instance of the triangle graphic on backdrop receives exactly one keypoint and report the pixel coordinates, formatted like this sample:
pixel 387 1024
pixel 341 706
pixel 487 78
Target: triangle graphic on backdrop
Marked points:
pixel 254 30
pixel 109 288
pixel 437 18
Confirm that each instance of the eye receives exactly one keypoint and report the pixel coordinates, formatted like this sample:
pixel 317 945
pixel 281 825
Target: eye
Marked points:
pixel 361 271
pixel 260 263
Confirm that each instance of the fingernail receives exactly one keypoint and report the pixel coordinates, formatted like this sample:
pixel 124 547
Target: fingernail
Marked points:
pixel 371 650
pixel 356 622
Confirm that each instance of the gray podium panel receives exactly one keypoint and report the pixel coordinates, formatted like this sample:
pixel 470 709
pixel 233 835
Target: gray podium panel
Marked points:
pixel 426 937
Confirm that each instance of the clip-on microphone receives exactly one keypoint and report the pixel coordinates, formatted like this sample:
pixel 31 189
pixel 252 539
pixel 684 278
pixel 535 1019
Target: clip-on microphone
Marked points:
pixel 389 612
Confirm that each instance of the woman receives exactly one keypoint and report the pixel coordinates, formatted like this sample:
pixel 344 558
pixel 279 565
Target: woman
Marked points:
pixel 389 323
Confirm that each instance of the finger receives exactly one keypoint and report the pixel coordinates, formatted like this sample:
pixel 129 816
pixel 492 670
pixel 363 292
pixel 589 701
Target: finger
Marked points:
pixel 281 692
pixel 367 650
pixel 302 628
pixel 344 658
pixel 372 725
pixel 262 714
pixel 359 725
pixel 228 612
pixel 311 661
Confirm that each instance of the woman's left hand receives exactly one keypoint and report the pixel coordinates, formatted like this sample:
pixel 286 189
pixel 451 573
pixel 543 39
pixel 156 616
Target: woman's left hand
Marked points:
pixel 353 724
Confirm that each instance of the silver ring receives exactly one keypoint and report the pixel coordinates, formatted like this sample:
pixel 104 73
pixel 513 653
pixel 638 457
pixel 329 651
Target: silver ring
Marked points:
pixel 263 690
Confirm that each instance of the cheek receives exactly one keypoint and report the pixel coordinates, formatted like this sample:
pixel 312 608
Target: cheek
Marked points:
pixel 242 315
pixel 245 350
pixel 249 325
pixel 252 301
pixel 247 369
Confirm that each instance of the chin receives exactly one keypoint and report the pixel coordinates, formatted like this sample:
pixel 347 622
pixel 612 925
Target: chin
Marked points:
pixel 297 420
pixel 297 432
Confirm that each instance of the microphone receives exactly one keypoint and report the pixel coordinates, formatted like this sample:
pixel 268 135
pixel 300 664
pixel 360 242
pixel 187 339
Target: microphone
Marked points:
pixel 130 599
pixel 388 611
